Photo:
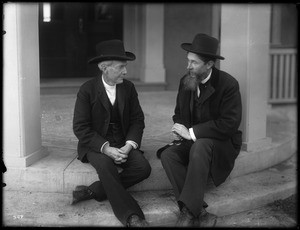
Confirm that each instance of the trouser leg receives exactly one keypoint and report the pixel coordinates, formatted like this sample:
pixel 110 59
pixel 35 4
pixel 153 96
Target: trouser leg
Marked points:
pixel 187 167
pixel 135 169
pixel 175 160
pixel 200 157
pixel 113 185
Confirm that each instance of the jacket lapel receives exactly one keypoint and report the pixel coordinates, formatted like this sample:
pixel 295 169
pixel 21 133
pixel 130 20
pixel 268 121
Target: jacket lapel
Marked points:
pixel 102 94
pixel 207 93
pixel 120 97
pixel 192 94
pixel 210 85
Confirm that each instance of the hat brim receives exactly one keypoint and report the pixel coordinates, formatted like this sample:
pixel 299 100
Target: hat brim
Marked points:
pixel 129 57
pixel 187 47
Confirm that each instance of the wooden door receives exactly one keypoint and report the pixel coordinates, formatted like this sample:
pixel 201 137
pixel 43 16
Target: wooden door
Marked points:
pixel 69 39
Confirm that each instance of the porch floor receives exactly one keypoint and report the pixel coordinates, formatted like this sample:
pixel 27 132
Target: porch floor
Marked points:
pixel 257 179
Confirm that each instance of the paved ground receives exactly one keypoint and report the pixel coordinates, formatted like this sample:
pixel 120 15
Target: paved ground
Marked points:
pixel 281 213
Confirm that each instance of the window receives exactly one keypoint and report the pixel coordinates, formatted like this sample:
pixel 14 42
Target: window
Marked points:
pixel 284 24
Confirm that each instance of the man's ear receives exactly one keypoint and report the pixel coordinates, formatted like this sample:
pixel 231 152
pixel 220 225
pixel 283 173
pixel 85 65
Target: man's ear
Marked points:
pixel 102 67
pixel 210 64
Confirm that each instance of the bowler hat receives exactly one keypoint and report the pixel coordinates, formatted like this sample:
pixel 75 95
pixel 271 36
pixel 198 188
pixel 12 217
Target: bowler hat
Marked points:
pixel 111 50
pixel 204 45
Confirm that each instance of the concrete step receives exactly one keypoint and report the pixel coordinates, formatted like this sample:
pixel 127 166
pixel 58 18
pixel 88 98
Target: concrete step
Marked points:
pixel 60 171
pixel 235 195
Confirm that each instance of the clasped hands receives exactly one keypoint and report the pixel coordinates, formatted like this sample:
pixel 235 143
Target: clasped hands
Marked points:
pixel 180 132
pixel 119 155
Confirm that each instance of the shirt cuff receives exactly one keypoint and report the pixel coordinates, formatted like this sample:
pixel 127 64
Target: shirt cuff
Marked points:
pixel 132 143
pixel 192 134
pixel 101 149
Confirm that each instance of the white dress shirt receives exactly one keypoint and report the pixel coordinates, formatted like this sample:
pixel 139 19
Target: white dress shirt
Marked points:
pixel 111 93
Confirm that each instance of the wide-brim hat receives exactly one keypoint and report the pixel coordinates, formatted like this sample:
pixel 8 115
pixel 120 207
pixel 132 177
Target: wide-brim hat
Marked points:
pixel 203 45
pixel 111 50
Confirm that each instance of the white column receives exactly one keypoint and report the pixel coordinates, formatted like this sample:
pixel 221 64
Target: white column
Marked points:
pixel 133 38
pixel 215 30
pixel 154 43
pixel 144 35
pixel 245 36
pixel 21 86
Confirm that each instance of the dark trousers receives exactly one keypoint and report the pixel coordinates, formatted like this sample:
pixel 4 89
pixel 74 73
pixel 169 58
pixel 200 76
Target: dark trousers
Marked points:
pixel 187 167
pixel 112 185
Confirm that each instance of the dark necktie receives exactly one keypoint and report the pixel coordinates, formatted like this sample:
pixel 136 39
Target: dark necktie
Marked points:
pixel 201 87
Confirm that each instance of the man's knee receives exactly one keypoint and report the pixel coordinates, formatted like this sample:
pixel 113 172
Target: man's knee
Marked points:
pixel 202 147
pixel 142 164
pixel 165 155
pixel 146 169
pixel 203 143
pixel 100 161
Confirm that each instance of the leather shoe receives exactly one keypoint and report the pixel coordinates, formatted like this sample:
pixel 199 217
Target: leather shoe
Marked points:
pixel 207 219
pixel 136 221
pixel 81 193
pixel 186 218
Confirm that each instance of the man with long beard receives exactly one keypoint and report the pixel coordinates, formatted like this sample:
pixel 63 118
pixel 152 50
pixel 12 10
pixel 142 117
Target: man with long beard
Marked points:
pixel 207 117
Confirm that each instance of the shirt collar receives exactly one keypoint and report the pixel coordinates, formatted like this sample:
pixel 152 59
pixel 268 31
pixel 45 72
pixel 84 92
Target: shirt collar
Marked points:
pixel 207 78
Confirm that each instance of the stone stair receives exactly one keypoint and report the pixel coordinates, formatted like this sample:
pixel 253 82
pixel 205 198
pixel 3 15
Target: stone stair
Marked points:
pixel 238 194
pixel 60 171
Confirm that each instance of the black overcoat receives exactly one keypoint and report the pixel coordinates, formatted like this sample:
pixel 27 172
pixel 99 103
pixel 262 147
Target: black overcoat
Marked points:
pixel 92 115
pixel 221 112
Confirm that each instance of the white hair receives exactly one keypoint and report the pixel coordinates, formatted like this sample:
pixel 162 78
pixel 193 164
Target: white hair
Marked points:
pixel 103 64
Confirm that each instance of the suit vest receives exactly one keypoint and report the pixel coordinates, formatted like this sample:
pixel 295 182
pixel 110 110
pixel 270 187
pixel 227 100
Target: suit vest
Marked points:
pixel 115 133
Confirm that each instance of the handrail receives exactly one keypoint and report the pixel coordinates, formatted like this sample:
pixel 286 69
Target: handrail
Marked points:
pixel 283 87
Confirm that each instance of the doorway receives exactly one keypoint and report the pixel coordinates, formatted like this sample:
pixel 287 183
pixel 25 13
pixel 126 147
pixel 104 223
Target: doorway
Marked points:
pixel 69 32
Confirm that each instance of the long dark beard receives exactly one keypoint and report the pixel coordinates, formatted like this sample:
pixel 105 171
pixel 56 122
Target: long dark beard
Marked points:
pixel 191 83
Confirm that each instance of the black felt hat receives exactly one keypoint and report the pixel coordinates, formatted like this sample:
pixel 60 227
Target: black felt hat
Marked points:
pixel 204 45
pixel 111 50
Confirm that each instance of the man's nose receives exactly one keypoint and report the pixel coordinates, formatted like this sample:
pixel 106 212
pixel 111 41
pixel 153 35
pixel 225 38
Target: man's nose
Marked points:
pixel 189 67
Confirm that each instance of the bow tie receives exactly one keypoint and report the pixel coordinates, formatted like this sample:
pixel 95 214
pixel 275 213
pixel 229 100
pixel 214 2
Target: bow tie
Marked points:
pixel 202 86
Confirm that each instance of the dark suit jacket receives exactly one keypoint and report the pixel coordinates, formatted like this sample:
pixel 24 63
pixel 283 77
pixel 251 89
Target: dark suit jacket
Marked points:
pixel 221 112
pixel 92 115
